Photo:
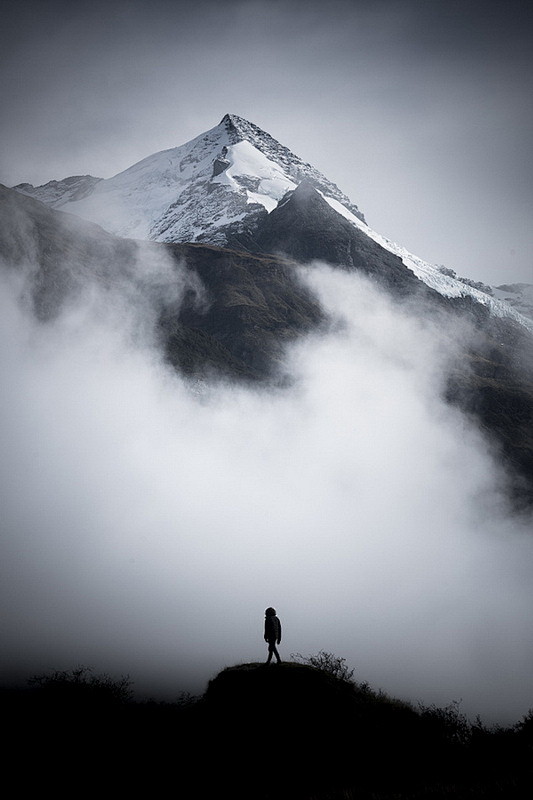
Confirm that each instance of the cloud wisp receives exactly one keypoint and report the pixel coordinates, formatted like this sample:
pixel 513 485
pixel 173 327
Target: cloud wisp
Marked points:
pixel 147 522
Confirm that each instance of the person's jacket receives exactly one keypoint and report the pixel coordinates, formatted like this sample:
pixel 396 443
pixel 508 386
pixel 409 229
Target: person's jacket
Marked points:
pixel 272 629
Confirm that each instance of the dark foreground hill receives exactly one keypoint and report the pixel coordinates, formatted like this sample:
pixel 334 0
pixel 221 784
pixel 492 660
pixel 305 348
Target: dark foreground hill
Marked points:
pixel 283 731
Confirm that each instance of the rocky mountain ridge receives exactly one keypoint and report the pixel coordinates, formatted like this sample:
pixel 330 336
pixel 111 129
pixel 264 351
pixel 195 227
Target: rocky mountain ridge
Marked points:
pixel 220 188
pixel 196 191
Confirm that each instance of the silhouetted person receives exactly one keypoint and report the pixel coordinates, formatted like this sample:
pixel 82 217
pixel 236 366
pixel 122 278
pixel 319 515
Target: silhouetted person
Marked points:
pixel 272 634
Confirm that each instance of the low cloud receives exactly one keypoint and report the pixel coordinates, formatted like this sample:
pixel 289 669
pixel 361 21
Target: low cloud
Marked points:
pixel 148 521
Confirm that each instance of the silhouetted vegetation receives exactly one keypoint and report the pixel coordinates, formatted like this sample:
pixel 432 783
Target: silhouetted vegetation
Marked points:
pixel 82 686
pixel 302 729
pixel 327 662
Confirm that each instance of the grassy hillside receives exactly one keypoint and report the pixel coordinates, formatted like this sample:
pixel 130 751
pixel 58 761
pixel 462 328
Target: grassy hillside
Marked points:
pixel 294 730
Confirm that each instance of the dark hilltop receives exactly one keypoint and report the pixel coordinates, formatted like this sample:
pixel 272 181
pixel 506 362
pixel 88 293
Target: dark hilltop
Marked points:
pixel 301 729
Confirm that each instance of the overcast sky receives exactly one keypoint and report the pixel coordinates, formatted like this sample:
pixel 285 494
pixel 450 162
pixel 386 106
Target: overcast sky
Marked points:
pixel 419 110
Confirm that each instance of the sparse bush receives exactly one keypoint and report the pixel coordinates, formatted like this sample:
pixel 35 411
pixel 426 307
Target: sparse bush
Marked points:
pixel 525 726
pixel 452 723
pixel 79 682
pixel 187 700
pixel 327 662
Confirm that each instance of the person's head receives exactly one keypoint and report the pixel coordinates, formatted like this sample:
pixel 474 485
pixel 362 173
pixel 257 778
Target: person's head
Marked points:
pixel 270 612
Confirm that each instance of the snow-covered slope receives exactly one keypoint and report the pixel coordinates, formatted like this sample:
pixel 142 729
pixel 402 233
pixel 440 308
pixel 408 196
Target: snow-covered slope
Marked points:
pixel 518 295
pixel 224 177
pixel 221 184
pixel 443 281
pixel 59 193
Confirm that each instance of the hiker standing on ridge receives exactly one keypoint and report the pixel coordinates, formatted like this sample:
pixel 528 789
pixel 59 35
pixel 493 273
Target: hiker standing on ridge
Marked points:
pixel 272 634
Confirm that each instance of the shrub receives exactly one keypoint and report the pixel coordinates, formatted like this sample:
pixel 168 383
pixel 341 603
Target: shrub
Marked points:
pixel 525 726
pixel 329 663
pixel 450 721
pixel 79 682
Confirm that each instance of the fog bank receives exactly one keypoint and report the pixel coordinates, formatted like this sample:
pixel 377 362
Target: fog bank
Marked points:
pixel 149 521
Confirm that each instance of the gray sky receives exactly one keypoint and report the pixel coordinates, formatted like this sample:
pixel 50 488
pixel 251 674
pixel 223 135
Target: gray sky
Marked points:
pixel 420 111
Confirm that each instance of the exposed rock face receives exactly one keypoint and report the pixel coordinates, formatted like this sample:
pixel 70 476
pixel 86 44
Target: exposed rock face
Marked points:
pixel 219 166
pixel 240 129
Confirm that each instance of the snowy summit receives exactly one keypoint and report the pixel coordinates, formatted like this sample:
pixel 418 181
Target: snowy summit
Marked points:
pixel 221 179
pixel 222 184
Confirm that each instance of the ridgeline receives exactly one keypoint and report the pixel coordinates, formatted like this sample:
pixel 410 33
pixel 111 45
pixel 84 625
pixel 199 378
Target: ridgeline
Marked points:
pixel 294 730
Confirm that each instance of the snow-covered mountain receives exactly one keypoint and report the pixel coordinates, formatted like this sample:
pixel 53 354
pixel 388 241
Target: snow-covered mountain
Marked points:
pixel 59 193
pixel 218 189
pixel 518 295
pixel 222 178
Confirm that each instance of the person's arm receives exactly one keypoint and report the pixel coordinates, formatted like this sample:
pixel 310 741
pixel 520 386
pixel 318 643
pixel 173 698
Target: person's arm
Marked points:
pixel 279 631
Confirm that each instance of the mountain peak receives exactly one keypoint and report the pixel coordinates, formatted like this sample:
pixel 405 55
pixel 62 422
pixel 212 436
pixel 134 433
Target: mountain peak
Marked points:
pixel 240 129
pixel 205 190
pixel 233 119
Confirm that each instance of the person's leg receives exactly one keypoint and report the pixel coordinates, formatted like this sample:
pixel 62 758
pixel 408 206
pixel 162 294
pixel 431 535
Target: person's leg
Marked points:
pixel 273 651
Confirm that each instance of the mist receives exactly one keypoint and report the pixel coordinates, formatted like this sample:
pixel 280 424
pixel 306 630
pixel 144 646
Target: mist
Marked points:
pixel 148 520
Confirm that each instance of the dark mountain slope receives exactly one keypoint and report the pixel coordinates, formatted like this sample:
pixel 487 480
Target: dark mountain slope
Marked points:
pixel 60 251
pixel 305 227
pixel 253 306
pixel 234 321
